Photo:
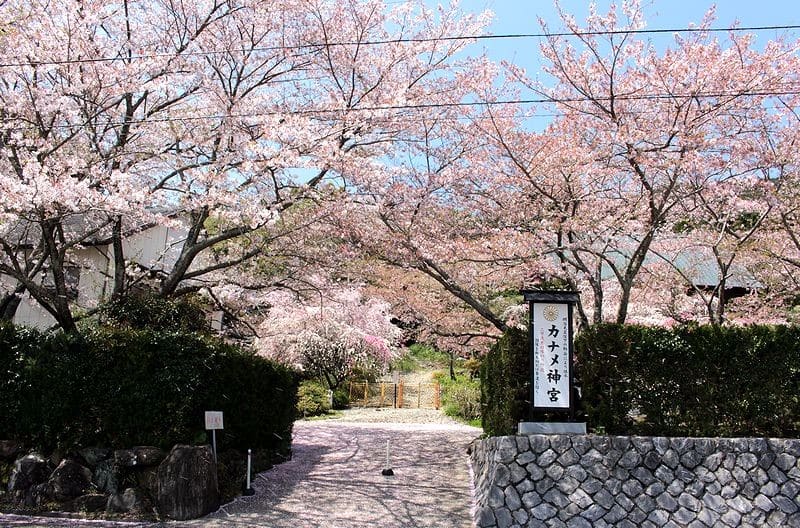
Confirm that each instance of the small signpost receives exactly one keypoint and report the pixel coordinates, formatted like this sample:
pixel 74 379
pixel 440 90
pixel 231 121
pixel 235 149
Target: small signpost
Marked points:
pixel 551 354
pixel 214 422
pixel 248 489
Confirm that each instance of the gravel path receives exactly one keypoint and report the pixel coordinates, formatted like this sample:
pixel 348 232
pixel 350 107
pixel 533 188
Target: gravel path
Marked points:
pixel 334 478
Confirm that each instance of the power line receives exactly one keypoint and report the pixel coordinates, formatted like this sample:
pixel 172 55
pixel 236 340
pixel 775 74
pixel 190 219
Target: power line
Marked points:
pixel 430 106
pixel 411 40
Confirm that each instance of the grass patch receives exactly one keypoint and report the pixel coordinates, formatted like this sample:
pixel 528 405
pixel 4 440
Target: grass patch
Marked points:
pixel 420 357
pixel 327 416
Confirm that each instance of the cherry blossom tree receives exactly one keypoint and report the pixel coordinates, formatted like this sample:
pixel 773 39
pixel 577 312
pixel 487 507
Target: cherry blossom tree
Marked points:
pixel 330 336
pixel 652 133
pixel 216 116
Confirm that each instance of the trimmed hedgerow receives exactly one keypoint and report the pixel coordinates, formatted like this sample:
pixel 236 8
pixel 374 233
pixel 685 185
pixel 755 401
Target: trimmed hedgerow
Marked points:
pixel 120 388
pixel 689 381
pixel 505 389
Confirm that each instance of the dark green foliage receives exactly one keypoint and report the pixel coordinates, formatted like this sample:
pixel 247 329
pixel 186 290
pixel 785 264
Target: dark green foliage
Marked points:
pixel 692 381
pixel 149 311
pixel 121 388
pixel 636 380
pixel 461 398
pixel 341 398
pixel 312 399
pixel 505 389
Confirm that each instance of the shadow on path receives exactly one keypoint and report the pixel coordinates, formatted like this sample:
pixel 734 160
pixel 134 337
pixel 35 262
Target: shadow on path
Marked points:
pixel 334 480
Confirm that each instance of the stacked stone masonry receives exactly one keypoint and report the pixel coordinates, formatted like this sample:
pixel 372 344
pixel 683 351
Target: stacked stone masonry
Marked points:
pixel 587 481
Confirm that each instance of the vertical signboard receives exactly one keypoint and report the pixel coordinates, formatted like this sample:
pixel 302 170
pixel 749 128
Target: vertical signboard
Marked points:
pixel 551 356
pixel 551 350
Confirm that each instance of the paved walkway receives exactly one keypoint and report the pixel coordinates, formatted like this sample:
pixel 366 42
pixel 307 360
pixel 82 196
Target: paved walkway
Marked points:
pixel 334 481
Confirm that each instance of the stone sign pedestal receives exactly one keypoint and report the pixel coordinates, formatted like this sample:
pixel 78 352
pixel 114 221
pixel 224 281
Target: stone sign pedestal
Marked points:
pixel 551 428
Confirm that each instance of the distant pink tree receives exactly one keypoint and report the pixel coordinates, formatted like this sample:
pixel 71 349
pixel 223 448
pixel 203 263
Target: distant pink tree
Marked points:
pixel 329 336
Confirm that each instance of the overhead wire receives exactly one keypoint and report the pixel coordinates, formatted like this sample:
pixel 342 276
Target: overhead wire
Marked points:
pixel 406 40
pixel 425 106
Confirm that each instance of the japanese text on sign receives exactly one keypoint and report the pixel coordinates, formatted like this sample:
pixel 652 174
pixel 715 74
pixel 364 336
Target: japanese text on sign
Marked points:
pixel 551 355
pixel 213 420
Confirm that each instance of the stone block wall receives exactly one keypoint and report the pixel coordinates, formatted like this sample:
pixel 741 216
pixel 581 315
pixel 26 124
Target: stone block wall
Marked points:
pixel 590 481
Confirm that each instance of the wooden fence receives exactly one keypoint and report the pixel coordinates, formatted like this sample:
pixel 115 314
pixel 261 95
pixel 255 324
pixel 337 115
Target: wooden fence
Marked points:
pixel 397 395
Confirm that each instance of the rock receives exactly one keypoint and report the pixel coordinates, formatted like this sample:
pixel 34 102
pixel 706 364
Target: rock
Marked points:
pixel 28 471
pixel 92 456
pixel 106 477
pixel 92 502
pixel 148 455
pixel 129 501
pixel 32 496
pixel 187 483
pixel 69 480
pixel 9 449
pixel 125 457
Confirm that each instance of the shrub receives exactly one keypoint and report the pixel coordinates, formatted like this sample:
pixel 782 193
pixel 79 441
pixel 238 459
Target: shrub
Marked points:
pixel 312 399
pixel 341 398
pixel 693 381
pixel 462 399
pixel 120 388
pixel 149 311
pixel 505 397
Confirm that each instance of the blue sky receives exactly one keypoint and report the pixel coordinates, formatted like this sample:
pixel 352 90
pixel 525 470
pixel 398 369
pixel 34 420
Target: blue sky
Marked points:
pixel 520 16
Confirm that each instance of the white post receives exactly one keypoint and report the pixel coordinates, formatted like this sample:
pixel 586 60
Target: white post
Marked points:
pixel 387 471
pixel 249 452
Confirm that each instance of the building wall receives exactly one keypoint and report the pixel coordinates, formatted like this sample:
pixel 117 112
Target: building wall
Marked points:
pixel 157 247
pixel 591 481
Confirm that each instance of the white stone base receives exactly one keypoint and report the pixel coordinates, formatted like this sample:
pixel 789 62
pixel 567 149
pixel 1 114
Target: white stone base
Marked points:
pixel 529 428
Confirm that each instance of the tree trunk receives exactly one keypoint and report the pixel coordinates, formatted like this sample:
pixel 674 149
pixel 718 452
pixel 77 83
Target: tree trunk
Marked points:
pixel 9 304
pixel 119 259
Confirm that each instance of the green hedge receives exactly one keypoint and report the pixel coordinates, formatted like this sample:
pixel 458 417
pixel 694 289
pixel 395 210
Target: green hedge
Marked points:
pixel 505 389
pixel 692 381
pixel 121 388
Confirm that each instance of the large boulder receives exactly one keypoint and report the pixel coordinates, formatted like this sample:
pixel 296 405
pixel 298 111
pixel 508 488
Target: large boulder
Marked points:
pixel 148 455
pixel 129 501
pixel 139 456
pixel 69 480
pixel 187 483
pixel 28 471
pixel 91 503
pixel 106 476
pixel 93 456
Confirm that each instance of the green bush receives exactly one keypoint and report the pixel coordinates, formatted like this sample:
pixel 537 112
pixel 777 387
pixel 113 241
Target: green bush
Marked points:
pixel 121 388
pixel 149 311
pixel 341 398
pixel 461 399
pixel 692 381
pixel 505 388
pixel 312 399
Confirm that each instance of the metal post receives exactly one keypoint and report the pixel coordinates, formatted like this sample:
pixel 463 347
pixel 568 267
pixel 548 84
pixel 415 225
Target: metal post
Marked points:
pixel 387 470
pixel 214 443
pixel 249 456
pixel 248 489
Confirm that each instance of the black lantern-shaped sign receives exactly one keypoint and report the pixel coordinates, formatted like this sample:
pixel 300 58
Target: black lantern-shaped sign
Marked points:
pixel 551 353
